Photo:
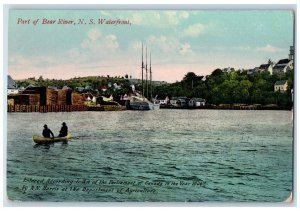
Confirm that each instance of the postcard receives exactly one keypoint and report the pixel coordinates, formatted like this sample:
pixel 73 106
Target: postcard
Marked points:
pixel 150 105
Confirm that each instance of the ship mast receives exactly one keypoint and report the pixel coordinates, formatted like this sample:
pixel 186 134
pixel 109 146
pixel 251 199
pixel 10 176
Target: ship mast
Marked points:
pixel 150 78
pixel 146 75
pixel 142 70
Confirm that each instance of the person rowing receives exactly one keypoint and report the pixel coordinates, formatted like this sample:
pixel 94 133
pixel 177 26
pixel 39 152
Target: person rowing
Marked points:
pixel 64 130
pixel 47 132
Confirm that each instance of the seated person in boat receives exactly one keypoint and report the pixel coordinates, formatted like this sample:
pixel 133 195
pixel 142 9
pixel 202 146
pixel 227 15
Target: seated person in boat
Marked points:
pixel 47 132
pixel 64 130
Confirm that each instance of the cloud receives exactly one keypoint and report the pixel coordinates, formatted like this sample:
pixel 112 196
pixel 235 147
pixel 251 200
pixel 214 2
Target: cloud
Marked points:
pixel 73 53
pixel 183 15
pixel 96 42
pixel 194 30
pixel 171 17
pixel 268 49
pixel 94 34
pixel 21 67
pixel 137 18
pixel 135 46
pixel 95 46
pixel 20 61
pixel 96 49
pixel 156 16
pixel 174 17
pixel 147 18
pixel 164 44
pixel 185 49
pixel 111 41
pixel 161 44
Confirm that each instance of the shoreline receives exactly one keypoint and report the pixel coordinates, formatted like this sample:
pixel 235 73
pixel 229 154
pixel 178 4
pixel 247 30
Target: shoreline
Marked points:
pixel 230 107
pixel 78 108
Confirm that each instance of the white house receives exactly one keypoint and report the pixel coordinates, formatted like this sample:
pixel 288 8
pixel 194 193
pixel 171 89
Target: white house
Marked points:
pixel 197 102
pixel 266 67
pixel 173 101
pixel 181 102
pixel 280 86
pixel 283 66
pixel 12 91
pixel 178 101
pixel 163 101
pixel 254 70
pixel 12 87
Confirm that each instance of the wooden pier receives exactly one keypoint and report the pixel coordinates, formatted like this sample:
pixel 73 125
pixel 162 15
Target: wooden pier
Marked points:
pixel 62 108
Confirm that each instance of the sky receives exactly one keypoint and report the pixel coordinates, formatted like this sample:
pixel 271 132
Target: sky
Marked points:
pixel 179 41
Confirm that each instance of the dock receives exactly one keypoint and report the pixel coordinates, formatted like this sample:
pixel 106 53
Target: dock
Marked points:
pixel 62 108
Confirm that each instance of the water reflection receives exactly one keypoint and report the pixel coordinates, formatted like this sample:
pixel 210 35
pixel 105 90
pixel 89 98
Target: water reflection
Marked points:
pixel 43 146
pixel 63 145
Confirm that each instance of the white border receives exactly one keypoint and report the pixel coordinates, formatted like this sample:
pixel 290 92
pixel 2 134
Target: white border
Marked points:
pixel 131 4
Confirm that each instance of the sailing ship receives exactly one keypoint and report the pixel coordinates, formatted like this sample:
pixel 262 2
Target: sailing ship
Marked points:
pixel 141 102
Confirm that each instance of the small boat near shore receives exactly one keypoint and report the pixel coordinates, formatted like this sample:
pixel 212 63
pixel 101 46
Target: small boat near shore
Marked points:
pixel 42 140
pixel 141 104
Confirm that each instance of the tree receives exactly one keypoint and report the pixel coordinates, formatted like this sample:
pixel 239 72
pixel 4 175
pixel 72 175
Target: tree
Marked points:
pixel 232 75
pixel 40 78
pixel 217 72
pixel 270 62
pixel 257 97
pixel 189 79
pixel 189 76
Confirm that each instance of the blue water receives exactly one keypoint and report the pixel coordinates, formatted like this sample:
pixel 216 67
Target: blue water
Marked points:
pixel 163 155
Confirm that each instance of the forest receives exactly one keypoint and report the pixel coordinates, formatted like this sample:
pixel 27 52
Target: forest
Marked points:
pixel 232 87
pixel 220 87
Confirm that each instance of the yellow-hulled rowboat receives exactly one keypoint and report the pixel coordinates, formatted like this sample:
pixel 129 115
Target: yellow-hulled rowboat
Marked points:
pixel 42 140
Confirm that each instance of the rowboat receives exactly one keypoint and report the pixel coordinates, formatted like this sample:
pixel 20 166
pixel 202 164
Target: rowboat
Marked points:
pixel 42 140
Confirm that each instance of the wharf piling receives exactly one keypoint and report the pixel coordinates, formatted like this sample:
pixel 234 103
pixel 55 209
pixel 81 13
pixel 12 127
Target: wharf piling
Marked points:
pixel 62 108
pixel 46 108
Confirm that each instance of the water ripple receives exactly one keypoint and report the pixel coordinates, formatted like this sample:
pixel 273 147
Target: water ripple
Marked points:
pixel 235 155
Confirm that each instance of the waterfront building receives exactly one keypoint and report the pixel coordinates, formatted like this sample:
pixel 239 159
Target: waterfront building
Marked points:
pixel 196 102
pixel 179 101
pixel 163 101
pixel 12 87
pixel 280 86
